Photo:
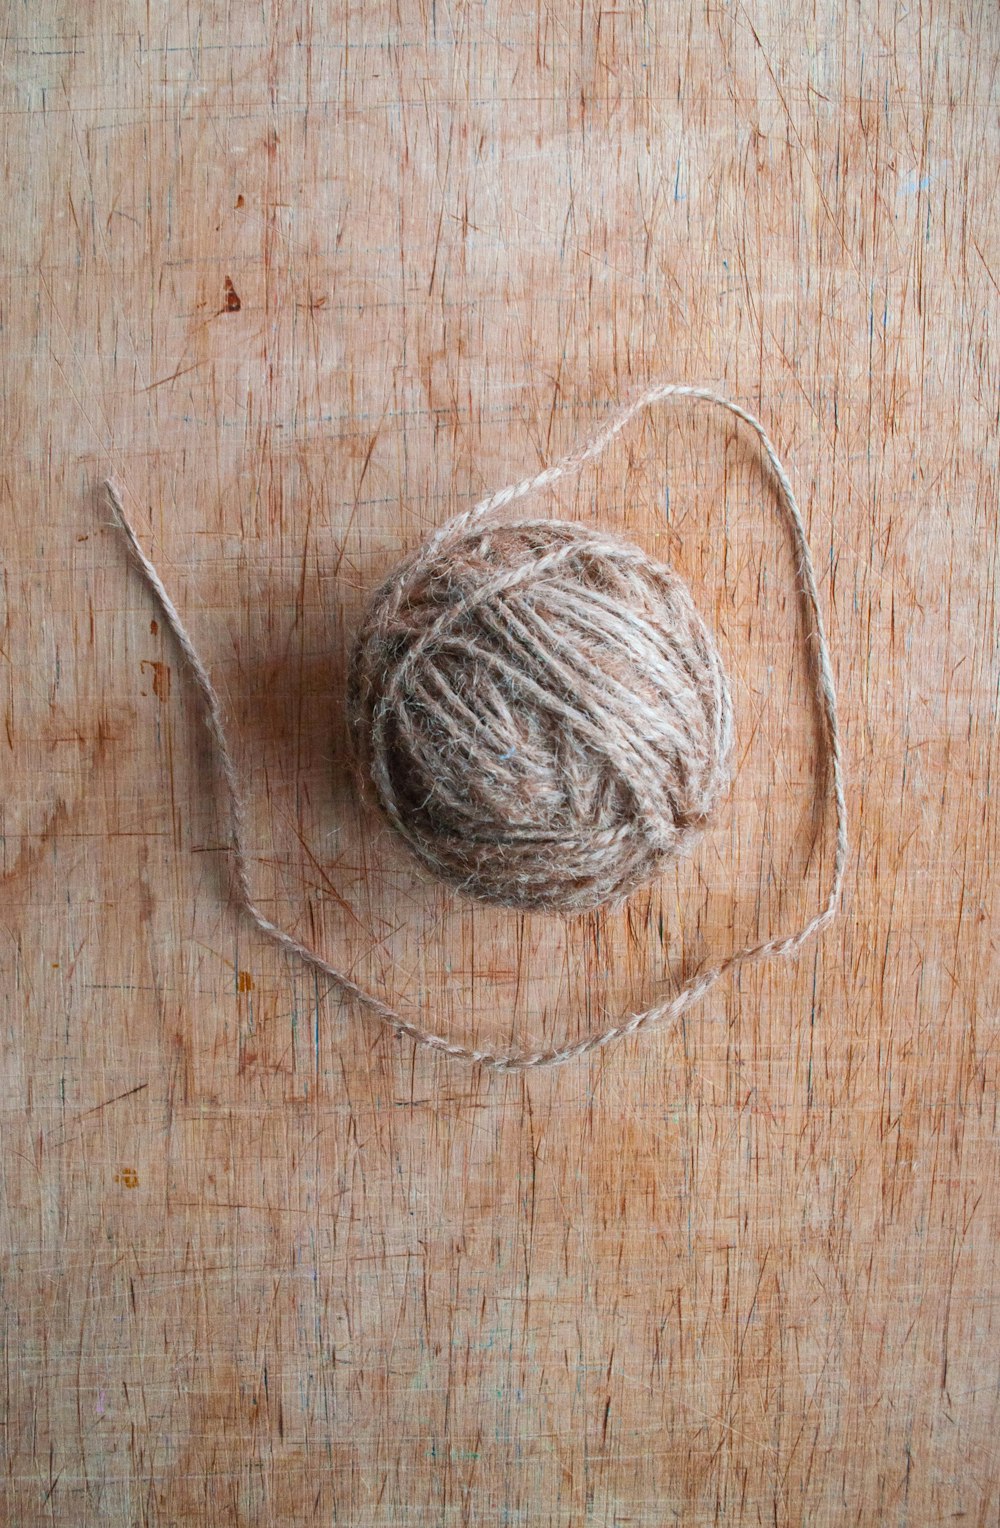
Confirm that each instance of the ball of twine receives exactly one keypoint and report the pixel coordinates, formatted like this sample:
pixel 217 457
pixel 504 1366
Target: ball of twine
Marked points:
pixel 546 720
pixel 542 712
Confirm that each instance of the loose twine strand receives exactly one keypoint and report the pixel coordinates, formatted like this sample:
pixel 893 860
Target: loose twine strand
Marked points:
pixel 694 987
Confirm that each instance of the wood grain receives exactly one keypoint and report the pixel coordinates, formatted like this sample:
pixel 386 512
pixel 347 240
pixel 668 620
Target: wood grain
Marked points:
pixel 308 278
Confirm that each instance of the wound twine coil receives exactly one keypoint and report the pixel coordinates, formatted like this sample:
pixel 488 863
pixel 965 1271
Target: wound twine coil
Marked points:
pixel 543 713
pixel 544 718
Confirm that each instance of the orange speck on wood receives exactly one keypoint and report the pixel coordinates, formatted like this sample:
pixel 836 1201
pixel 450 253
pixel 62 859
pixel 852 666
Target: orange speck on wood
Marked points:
pixel 161 677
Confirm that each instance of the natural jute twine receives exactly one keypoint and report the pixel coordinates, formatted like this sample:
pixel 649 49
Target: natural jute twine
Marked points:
pixel 544 718
pixel 543 714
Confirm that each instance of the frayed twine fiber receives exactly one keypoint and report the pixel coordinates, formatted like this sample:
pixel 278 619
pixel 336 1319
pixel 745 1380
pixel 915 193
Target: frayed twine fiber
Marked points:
pixel 545 719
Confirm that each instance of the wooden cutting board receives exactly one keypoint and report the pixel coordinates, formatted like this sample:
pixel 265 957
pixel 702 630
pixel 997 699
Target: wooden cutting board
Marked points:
pixel 307 279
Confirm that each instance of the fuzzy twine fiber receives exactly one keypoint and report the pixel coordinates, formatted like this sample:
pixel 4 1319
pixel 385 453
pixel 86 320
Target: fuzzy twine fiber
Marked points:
pixel 543 714
pixel 545 720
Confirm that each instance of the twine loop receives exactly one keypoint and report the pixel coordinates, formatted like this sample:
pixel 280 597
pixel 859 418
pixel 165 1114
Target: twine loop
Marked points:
pixel 546 720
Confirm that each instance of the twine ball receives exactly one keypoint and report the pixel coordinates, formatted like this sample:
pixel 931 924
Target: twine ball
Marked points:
pixel 541 711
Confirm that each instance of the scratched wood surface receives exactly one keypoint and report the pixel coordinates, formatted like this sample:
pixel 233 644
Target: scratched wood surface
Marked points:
pixel 307 279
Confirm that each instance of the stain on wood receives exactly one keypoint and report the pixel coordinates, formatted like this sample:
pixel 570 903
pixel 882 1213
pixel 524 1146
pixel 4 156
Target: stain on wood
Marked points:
pixel 261 1263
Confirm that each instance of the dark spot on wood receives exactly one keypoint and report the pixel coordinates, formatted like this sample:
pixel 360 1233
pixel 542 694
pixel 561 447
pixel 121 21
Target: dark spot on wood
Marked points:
pixel 233 303
pixel 161 677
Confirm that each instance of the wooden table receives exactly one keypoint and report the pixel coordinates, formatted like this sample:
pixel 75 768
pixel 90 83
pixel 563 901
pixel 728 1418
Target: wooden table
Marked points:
pixel 307 279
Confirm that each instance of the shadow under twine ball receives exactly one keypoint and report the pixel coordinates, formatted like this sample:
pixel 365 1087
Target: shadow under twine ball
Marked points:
pixel 542 713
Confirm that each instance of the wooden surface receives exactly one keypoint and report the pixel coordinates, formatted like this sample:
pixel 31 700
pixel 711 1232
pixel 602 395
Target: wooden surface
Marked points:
pixel 307 278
